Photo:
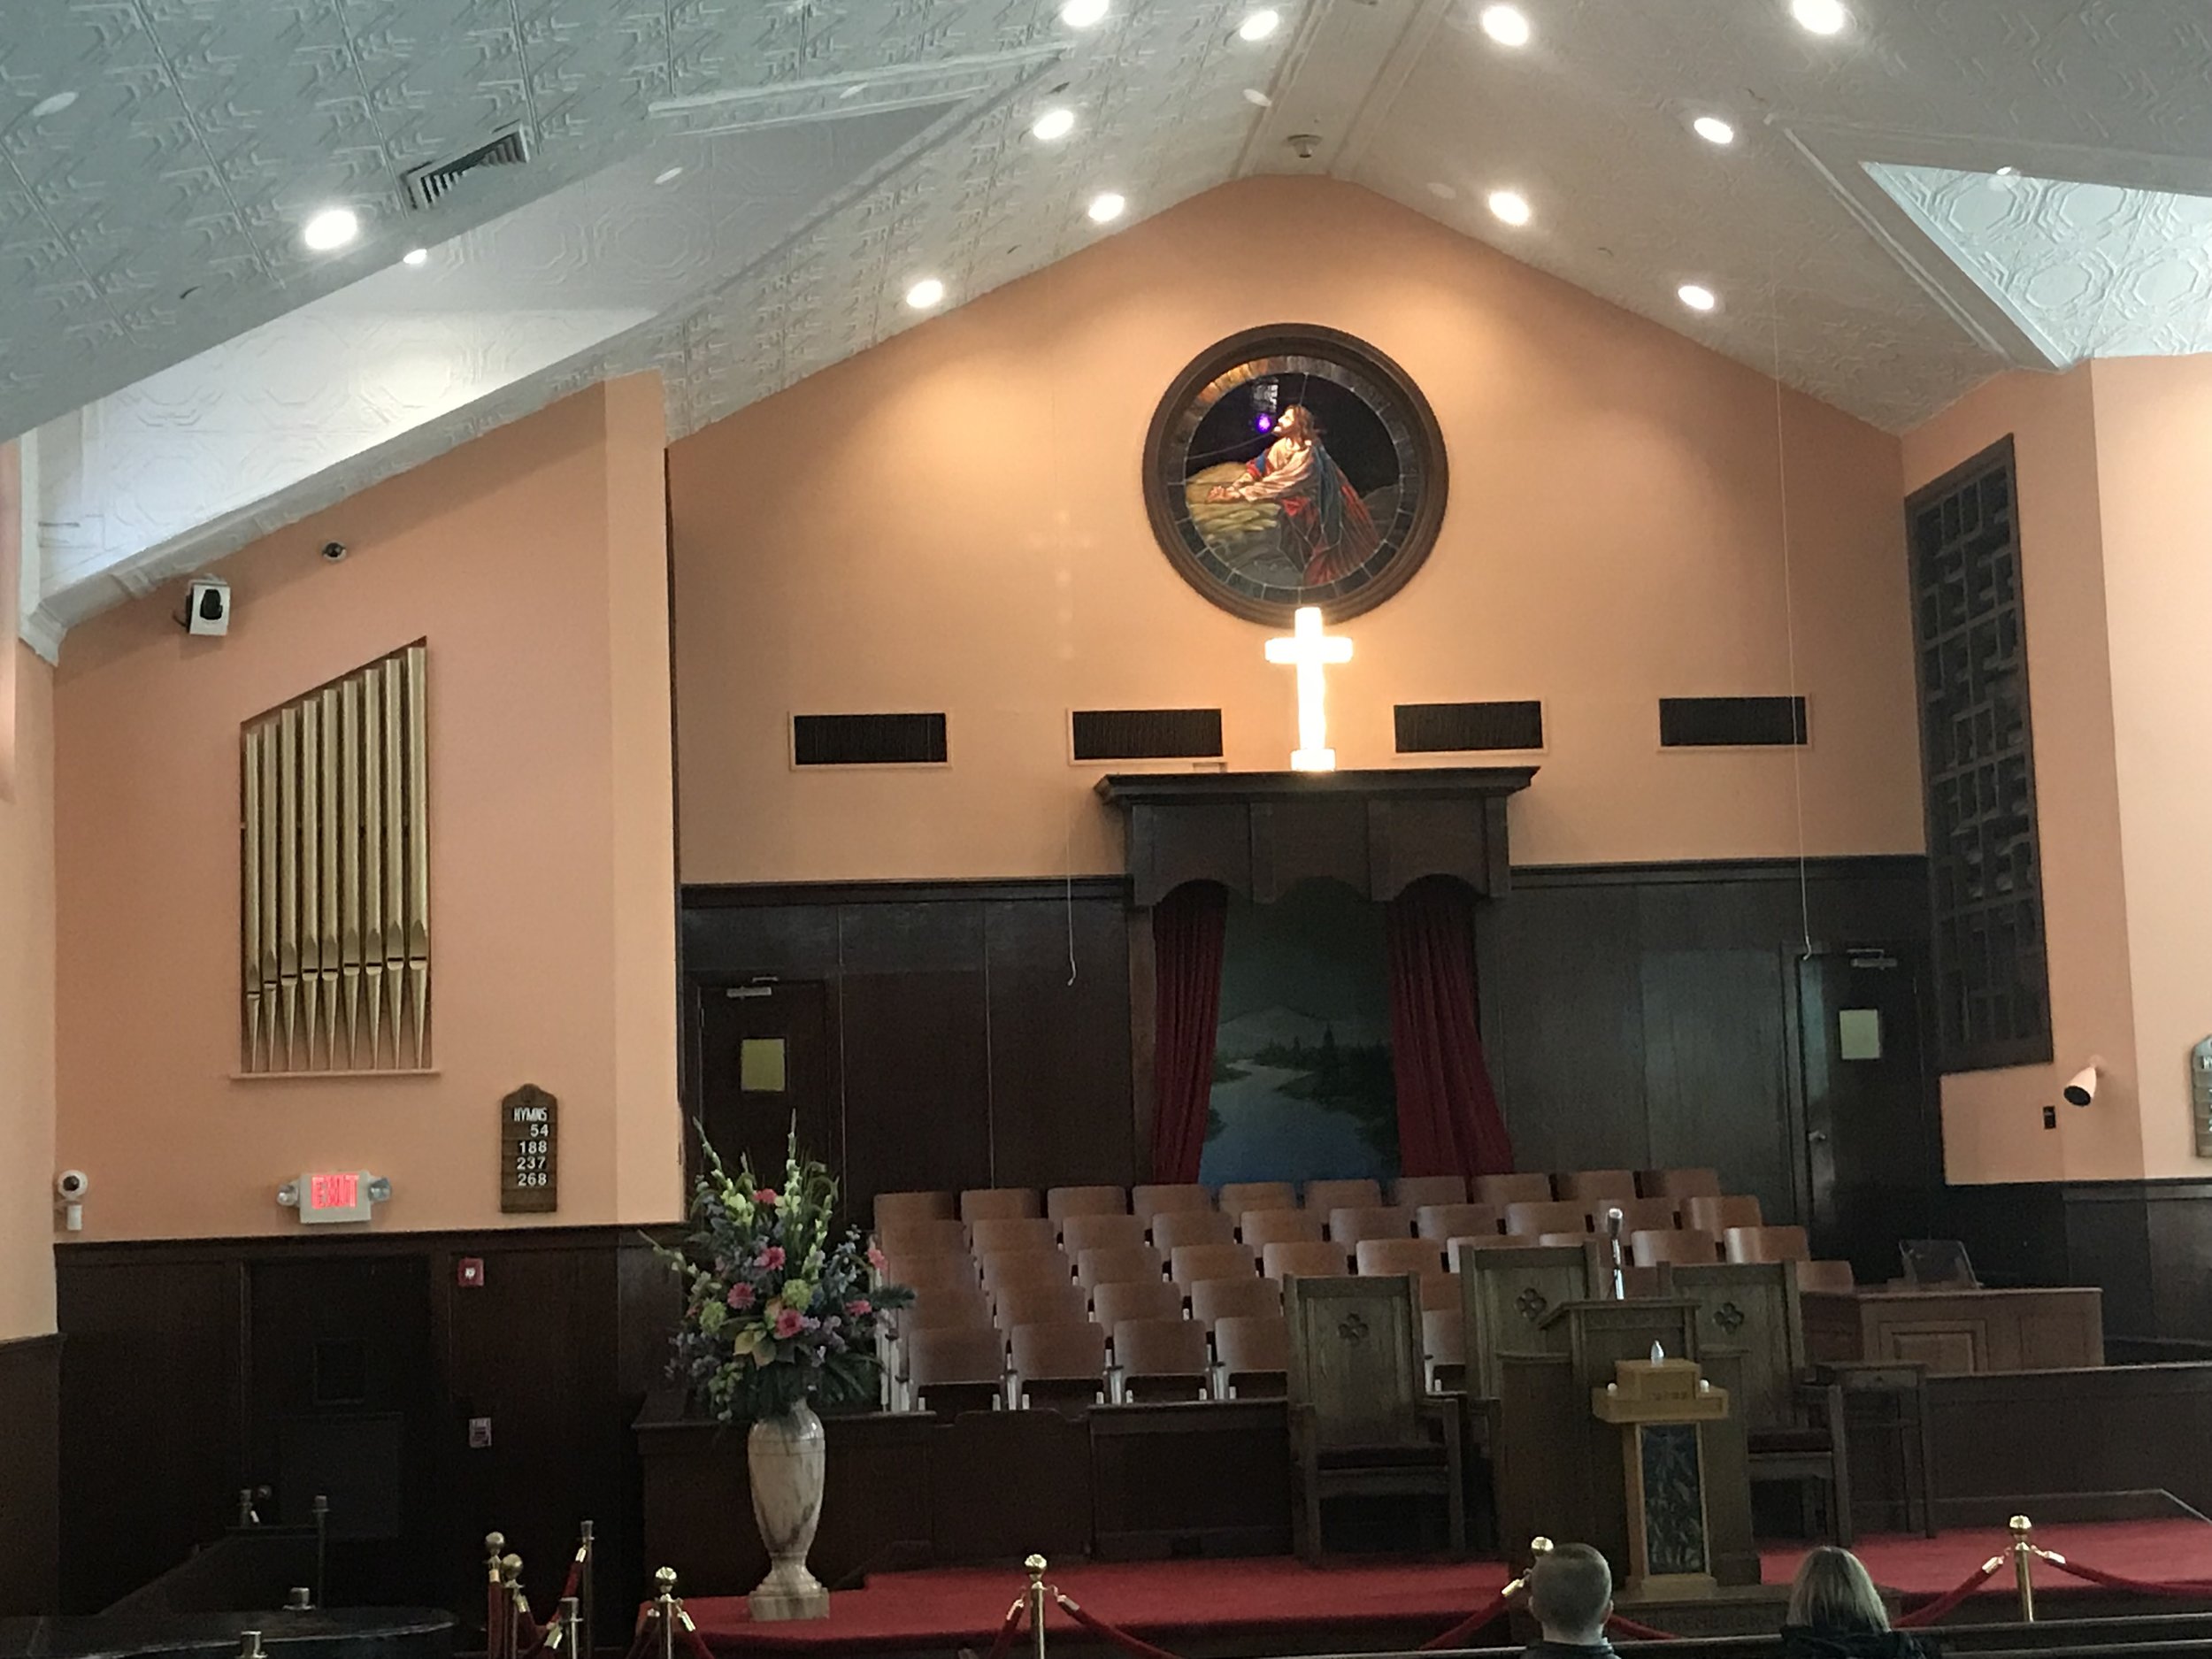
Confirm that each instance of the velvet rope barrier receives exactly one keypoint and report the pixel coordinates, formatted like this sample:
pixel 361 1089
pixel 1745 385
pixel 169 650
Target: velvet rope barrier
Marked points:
pixel 694 1642
pixel 1944 1605
pixel 647 1638
pixel 1121 1638
pixel 1628 1627
pixel 1003 1644
pixel 2184 1587
pixel 1482 1618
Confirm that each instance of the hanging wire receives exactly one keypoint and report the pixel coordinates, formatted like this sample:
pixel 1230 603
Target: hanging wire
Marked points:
pixel 1789 610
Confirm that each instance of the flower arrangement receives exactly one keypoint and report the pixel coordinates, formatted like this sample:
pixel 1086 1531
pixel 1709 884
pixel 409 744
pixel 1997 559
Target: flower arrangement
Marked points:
pixel 777 1311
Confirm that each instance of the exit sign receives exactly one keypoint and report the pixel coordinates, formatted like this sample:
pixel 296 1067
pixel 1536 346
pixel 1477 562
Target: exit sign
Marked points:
pixel 335 1195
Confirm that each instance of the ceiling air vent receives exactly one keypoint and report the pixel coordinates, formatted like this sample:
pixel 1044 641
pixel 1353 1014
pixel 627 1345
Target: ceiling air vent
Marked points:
pixel 427 186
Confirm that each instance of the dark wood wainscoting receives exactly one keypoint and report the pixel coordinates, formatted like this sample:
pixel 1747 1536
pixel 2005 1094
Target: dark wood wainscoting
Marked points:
pixel 1642 1016
pixel 981 1033
pixel 978 1032
pixel 30 1474
pixel 354 1366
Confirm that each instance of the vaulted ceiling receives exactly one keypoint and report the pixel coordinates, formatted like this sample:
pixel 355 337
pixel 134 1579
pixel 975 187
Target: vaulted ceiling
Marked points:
pixel 741 192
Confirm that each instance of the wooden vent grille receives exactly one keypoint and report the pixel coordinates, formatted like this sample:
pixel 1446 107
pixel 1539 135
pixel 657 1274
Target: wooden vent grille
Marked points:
pixel 1436 728
pixel 335 852
pixel 1731 722
pixel 1978 768
pixel 868 740
pixel 1145 734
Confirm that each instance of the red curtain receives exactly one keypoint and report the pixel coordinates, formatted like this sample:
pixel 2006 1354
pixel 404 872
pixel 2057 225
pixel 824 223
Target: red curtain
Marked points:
pixel 1188 928
pixel 1448 1121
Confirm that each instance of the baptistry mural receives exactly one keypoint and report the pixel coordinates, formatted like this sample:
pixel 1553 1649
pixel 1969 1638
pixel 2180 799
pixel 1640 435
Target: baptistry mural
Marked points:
pixel 1303 1086
pixel 1295 466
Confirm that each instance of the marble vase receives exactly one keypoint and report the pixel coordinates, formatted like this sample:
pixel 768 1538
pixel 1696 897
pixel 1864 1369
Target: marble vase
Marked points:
pixel 785 1456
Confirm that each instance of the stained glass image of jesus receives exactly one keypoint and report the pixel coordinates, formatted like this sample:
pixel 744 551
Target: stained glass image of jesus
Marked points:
pixel 1327 528
pixel 1276 495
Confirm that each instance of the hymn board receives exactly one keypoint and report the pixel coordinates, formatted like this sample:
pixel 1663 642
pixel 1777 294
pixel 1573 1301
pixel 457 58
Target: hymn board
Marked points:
pixel 529 1166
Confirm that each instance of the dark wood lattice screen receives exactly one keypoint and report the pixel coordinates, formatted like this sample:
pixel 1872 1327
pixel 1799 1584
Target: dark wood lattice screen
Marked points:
pixel 1978 768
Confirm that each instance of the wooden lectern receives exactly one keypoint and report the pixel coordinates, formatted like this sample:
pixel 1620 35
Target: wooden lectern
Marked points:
pixel 1562 1471
pixel 1661 1406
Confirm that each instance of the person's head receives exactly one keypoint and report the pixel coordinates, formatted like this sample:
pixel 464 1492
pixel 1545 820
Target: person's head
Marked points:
pixel 1833 1593
pixel 1570 1593
pixel 1297 422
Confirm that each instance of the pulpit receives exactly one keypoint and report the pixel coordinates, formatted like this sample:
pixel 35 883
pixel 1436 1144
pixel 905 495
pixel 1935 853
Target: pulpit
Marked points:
pixel 1661 1406
pixel 1563 1471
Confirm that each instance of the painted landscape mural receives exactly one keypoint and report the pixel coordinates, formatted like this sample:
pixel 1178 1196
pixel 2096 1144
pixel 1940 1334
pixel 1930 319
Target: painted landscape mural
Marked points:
pixel 1302 1085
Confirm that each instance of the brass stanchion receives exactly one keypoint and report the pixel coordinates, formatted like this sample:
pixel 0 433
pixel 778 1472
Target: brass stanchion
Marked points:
pixel 2022 1557
pixel 496 1621
pixel 249 1645
pixel 511 1587
pixel 322 1545
pixel 1539 1547
pixel 568 1628
pixel 665 1606
pixel 1036 1565
pixel 587 1611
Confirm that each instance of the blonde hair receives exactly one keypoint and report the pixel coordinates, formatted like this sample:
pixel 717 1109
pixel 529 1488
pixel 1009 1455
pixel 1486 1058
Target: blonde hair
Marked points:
pixel 1833 1591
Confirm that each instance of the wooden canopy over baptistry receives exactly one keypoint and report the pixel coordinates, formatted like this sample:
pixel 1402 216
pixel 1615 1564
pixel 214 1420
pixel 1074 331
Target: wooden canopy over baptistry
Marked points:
pixel 1259 833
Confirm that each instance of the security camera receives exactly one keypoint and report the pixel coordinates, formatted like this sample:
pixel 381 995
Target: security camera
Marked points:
pixel 2082 1088
pixel 335 550
pixel 206 605
pixel 69 1187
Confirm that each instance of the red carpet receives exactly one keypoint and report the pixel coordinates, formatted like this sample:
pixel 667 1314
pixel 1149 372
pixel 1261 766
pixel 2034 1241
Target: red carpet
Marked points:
pixel 1165 1601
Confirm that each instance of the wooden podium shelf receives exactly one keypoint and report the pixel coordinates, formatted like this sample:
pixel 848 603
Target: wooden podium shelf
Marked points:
pixel 1958 1333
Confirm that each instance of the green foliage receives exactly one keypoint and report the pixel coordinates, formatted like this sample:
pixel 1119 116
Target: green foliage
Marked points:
pixel 777 1309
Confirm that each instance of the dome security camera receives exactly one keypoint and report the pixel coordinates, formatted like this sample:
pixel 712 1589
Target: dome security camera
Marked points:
pixel 333 551
pixel 69 1187
pixel 2083 1087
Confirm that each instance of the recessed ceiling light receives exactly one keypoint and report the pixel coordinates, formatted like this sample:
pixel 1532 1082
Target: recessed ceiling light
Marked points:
pixel 1506 24
pixel 2007 172
pixel 1260 24
pixel 1443 191
pixel 54 103
pixel 928 292
pixel 1106 207
pixel 1713 130
pixel 415 256
pixel 333 227
pixel 1081 14
pixel 1509 206
pixel 1822 17
pixel 1054 123
pixel 1253 97
pixel 668 175
pixel 1697 296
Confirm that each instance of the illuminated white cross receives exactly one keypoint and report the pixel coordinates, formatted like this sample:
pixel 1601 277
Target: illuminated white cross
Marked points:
pixel 1309 648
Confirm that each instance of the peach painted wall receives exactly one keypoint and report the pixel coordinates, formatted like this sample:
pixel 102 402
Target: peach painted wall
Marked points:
pixel 952 520
pixel 1992 1120
pixel 2154 432
pixel 528 559
pixel 26 958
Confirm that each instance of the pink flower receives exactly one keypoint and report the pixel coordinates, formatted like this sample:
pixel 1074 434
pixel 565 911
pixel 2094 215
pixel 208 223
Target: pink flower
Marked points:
pixel 788 1323
pixel 875 1258
pixel 767 1196
pixel 857 1306
pixel 773 1257
pixel 741 1297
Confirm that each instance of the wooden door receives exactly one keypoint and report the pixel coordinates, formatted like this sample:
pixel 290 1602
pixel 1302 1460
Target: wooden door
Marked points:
pixel 764 1064
pixel 1873 1142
